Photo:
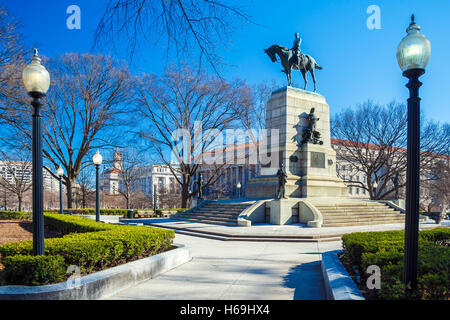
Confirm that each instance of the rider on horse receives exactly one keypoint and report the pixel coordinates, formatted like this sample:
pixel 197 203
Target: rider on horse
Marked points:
pixel 296 49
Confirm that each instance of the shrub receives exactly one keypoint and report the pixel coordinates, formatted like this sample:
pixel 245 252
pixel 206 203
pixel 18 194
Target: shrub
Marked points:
pixel 33 270
pixel 90 245
pixel 107 212
pixel 385 249
pixel 16 215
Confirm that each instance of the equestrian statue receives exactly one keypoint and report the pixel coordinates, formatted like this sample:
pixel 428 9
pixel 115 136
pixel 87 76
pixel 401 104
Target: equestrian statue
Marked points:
pixel 294 59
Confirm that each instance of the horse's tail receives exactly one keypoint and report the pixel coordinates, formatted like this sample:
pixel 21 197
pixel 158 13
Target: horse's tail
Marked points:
pixel 318 67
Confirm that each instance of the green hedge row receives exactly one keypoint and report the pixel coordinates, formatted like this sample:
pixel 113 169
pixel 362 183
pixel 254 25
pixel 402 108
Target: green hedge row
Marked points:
pixel 16 215
pixel 107 212
pixel 87 244
pixel 385 249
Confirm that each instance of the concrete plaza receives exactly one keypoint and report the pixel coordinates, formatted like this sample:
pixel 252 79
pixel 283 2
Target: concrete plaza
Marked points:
pixel 239 270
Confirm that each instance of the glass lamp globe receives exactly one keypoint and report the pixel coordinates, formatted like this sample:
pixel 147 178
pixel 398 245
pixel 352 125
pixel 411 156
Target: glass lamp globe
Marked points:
pixel 375 184
pixel 60 172
pixel 97 158
pixel 239 185
pixel 35 77
pixel 414 50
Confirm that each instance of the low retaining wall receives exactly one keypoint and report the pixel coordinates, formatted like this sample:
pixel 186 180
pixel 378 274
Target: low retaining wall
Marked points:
pixel 104 283
pixel 338 283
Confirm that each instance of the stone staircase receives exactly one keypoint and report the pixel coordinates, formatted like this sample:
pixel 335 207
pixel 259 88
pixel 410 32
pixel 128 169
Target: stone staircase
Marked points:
pixel 358 213
pixel 213 212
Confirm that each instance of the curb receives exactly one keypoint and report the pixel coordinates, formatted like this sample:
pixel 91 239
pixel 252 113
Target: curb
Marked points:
pixel 104 283
pixel 338 283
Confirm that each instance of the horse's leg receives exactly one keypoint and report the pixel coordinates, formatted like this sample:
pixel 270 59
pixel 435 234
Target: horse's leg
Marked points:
pixel 288 76
pixel 313 74
pixel 304 77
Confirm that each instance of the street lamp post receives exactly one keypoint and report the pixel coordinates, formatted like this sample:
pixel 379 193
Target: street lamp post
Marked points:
pixel 36 80
pixel 60 173
pixel 413 54
pixel 97 159
pixel 375 186
pixel 154 200
pixel 239 189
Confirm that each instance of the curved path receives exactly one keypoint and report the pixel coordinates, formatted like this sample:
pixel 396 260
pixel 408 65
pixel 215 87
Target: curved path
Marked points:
pixel 224 270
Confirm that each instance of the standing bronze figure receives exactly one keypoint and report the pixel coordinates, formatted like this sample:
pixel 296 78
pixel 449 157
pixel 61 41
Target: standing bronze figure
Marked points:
pixel 199 186
pixel 282 179
pixel 294 59
pixel 395 181
pixel 310 134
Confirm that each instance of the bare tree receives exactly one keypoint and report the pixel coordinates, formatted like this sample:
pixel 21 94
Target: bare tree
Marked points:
pixel 86 103
pixel 85 188
pixel 11 59
pixel 372 140
pixel 130 173
pixel 186 26
pixel 185 110
pixel 15 176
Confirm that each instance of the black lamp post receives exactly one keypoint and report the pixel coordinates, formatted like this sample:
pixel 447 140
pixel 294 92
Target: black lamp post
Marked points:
pixel 60 173
pixel 36 80
pixel 154 199
pixel 97 159
pixel 239 186
pixel 413 54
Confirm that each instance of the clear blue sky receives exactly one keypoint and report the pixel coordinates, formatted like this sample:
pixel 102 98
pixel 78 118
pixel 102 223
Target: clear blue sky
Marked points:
pixel 359 64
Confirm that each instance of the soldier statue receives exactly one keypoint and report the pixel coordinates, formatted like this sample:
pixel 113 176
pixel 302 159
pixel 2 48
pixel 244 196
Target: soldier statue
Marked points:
pixel 282 179
pixel 199 186
pixel 310 134
pixel 395 181
pixel 296 49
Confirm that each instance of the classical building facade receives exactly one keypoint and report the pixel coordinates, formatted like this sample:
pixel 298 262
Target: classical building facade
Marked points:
pixel 148 178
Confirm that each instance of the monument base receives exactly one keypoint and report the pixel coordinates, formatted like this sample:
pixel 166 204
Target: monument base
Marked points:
pixel 282 211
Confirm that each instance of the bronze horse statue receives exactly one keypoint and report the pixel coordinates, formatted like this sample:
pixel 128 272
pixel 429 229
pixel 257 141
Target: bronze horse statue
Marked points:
pixel 306 64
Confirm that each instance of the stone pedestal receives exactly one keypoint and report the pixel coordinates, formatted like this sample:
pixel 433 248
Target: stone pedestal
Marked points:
pixel 281 211
pixel 399 202
pixel 311 168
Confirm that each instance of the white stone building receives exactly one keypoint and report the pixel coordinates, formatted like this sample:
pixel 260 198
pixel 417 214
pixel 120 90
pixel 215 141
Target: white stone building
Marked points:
pixel 148 177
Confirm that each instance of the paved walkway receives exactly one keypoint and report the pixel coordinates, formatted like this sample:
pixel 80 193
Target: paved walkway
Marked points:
pixel 222 270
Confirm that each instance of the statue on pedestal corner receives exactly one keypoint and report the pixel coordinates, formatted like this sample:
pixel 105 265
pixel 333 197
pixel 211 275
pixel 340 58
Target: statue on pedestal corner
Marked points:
pixel 282 179
pixel 199 186
pixel 310 134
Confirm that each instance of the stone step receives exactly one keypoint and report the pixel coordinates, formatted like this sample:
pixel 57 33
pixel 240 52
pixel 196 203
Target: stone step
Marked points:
pixel 351 224
pixel 212 214
pixel 350 214
pixel 230 219
pixel 207 221
pixel 357 220
pixel 400 216
pixel 217 210
pixel 358 212
pixel 350 205
pixel 353 208
pixel 221 208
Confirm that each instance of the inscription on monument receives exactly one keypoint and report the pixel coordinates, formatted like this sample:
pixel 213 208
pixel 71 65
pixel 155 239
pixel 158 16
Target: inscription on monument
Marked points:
pixel 317 160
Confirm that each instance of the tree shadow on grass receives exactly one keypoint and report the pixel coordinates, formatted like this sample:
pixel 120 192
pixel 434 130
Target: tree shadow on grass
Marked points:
pixel 307 280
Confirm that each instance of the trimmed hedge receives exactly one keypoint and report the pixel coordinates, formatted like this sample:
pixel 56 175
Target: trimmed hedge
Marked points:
pixel 33 270
pixel 106 212
pixel 87 244
pixel 16 215
pixel 385 249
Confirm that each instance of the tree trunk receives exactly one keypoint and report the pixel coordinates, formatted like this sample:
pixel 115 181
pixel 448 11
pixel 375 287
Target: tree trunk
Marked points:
pixel 69 183
pixel 19 199
pixel 184 195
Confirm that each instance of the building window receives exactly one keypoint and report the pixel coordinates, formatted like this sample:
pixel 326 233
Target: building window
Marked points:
pixel 357 190
pixel 350 190
pixel 343 168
